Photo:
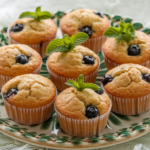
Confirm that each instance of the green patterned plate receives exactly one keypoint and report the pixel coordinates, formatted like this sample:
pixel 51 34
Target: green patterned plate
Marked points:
pixel 49 134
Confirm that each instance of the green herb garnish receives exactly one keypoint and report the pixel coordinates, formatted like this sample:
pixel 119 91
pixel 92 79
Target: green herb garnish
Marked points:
pixel 125 32
pixel 67 43
pixel 37 15
pixel 80 85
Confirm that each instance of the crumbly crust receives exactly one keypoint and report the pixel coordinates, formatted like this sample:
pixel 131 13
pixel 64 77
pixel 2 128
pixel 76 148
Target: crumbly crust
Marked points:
pixel 128 82
pixel 70 64
pixel 76 20
pixel 33 91
pixel 34 32
pixel 72 103
pixel 8 65
pixel 117 52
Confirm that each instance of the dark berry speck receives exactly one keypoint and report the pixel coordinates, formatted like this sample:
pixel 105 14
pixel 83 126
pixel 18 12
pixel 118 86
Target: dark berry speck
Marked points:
pixel 133 50
pixel 10 93
pixel 146 77
pixel 91 112
pixel 100 91
pixel 17 27
pixel 22 59
pixel 99 14
pixel 88 30
pixel 89 60
pixel 106 79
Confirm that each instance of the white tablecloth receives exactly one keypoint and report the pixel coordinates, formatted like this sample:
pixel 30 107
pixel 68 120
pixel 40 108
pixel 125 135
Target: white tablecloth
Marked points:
pixel 139 10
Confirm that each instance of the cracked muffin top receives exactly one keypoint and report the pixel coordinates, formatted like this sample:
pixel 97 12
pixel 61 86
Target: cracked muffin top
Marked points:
pixel 73 104
pixel 18 59
pixel 80 60
pixel 29 91
pixel 127 81
pixel 85 20
pixel 30 31
pixel 120 52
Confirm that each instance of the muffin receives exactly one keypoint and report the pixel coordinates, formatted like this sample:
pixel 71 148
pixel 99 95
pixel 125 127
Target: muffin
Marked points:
pixel 137 51
pixel 65 65
pixel 82 113
pixel 128 86
pixel 89 21
pixel 29 99
pixel 18 59
pixel 33 33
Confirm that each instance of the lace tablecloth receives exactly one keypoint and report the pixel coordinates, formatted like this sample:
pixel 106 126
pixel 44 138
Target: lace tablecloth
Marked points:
pixel 139 10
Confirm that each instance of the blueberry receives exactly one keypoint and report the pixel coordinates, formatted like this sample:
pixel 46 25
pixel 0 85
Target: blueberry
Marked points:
pixel 87 29
pixel 100 91
pixel 99 14
pixel 133 50
pixel 89 60
pixel 22 59
pixel 10 93
pixel 106 79
pixel 91 112
pixel 17 27
pixel 146 77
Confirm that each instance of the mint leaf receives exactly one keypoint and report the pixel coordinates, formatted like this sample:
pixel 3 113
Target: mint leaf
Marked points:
pixel 125 32
pixel 79 38
pixel 37 15
pixel 80 85
pixel 66 44
pixel 72 83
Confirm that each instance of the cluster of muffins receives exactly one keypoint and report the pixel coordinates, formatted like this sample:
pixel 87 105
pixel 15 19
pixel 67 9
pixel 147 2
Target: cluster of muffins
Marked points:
pixel 30 98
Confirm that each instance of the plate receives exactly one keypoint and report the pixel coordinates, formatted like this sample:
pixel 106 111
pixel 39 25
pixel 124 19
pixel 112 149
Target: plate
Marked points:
pixel 49 134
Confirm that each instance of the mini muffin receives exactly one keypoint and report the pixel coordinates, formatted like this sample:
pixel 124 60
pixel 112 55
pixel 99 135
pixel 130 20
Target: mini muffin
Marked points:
pixel 33 33
pixel 18 59
pixel 136 51
pixel 82 113
pixel 88 21
pixel 128 86
pixel 65 65
pixel 29 99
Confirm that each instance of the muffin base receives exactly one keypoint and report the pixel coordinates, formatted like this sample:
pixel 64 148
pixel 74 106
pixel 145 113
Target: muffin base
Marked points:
pixel 83 128
pixel 4 79
pixel 29 116
pixel 59 81
pixel 110 64
pixel 130 106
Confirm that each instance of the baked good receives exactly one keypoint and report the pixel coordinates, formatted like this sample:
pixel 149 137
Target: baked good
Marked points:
pixel 33 33
pixel 128 86
pixel 89 21
pixel 137 51
pixel 18 59
pixel 29 99
pixel 82 113
pixel 65 65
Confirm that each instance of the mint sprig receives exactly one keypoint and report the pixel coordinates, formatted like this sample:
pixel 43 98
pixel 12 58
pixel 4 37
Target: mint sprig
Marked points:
pixel 125 32
pixel 80 85
pixel 37 15
pixel 67 43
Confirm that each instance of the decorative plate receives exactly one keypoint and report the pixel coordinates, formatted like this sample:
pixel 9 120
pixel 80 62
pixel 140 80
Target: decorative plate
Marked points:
pixel 49 134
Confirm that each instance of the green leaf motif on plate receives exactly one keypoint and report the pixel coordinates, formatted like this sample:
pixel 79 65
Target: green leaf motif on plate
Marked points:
pixel 93 139
pixel 116 18
pixel 114 119
pixel 44 138
pixel 28 134
pixel 137 26
pixel 109 137
pixel 61 140
pixel 139 128
pixel 128 20
pixel 124 133
pixel 107 16
pixel 123 117
pixel 147 122
pixel 77 141
pixel 146 30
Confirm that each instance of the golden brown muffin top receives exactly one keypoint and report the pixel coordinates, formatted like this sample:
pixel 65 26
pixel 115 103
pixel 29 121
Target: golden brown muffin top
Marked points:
pixel 8 65
pixel 33 91
pixel 70 64
pixel 34 32
pixel 127 81
pixel 72 103
pixel 76 20
pixel 117 52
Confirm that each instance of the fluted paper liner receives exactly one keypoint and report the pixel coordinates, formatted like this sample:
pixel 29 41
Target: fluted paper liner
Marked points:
pixel 130 106
pixel 40 48
pixel 29 116
pixel 59 81
pixel 4 79
pixel 83 128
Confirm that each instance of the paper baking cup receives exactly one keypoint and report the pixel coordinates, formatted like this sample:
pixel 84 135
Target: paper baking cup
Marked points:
pixel 94 44
pixel 59 81
pixel 130 106
pixel 40 48
pixel 83 128
pixel 4 79
pixel 110 64
pixel 28 116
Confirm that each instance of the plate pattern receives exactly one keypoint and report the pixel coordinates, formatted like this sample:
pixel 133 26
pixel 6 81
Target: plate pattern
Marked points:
pixel 49 134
